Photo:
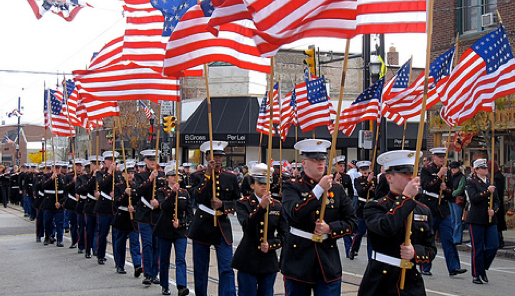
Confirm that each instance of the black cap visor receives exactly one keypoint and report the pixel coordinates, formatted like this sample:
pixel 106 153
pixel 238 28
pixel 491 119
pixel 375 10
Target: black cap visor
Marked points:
pixel 315 155
pixel 401 169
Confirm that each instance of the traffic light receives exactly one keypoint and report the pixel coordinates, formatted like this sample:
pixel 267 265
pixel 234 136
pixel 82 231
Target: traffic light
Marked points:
pixel 310 62
pixel 169 124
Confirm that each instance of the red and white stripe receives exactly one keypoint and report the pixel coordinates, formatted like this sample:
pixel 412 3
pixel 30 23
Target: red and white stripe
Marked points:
pixel 288 116
pixel 356 113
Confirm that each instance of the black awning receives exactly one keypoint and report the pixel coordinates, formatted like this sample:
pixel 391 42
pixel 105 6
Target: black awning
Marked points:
pixel 235 117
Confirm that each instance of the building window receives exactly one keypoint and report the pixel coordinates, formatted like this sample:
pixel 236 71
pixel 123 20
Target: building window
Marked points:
pixel 477 15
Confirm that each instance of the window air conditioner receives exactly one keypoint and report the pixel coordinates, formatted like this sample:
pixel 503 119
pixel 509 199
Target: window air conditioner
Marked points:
pixel 487 19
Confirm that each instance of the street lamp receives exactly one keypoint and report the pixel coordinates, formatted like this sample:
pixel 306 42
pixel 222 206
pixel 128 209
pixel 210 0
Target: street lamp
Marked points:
pixel 375 68
pixel 43 150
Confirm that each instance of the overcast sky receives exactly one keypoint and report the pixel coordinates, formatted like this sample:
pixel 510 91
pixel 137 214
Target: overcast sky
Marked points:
pixel 53 45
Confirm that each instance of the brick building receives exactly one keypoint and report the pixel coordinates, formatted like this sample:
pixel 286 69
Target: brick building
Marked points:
pixel 30 141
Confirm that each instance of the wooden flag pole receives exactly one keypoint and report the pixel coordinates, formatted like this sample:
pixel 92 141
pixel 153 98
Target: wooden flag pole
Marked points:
pixel 125 169
pixel 406 264
pixel 445 163
pixel 492 165
pixel 210 124
pixel 374 155
pixel 260 141
pixel 156 162
pixel 406 122
pixel 318 238
pixel 177 129
pixel 70 127
pixel 97 165
pixel 269 152
pixel 114 158
pixel 280 178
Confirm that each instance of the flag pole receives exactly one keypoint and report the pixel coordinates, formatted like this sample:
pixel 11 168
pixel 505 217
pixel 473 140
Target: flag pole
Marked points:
pixel 156 162
pixel 280 178
pixel 260 141
pixel 125 169
pixel 269 152
pixel 492 165
pixel 405 121
pixel 97 144
pixel 70 127
pixel 114 158
pixel 445 163
pixel 49 110
pixel 405 264
pixel 177 129
pixel 316 237
pixel 210 124
pixel 374 155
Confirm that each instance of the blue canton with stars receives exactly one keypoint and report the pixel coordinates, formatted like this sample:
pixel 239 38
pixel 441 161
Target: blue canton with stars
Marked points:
pixel 70 86
pixel 55 104
pixel 441 66
pixel 317 93
pixel 293 100
pixel 495 49
pixel 207 7
pixel 374 92
pixel 172 11
pixel 262 107
pixel 402 80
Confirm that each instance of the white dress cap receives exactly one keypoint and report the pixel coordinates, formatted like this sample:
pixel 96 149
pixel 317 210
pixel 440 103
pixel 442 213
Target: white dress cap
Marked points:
pixel 363 163
pixel 218 147
pixel 170 170
pixel 312 145
pixel 259 172
pixel 252 163
pixel 150 153
pixel 94 158
pixel 438 150
pixel 186 164
pixel 338 159
pixel 397 158
pixel 109 154
pixel 480 163
pixel 276 163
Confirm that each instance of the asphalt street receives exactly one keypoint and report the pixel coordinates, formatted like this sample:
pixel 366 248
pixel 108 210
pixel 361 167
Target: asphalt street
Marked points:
pixel 29 268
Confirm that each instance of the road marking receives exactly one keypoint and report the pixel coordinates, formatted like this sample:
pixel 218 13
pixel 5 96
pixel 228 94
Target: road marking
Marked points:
pixel 15 235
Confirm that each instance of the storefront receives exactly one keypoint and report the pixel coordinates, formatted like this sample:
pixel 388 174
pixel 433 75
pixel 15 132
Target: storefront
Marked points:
pixel 234 121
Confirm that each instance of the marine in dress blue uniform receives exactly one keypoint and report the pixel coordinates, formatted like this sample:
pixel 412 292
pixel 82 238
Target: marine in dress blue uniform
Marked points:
pixel 171 229
pixel 52 204
pixel 431 181
pixel 386 223
pixel 483 232
pixel 305 264
pixel 203 231
pixel 255 260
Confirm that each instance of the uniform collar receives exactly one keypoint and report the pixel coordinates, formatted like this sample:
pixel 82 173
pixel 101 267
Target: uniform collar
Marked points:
pixel 309 180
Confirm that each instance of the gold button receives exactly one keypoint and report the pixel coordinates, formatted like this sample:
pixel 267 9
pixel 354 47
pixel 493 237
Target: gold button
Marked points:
pixel 200 216
pixel 404 197
pixel 418 257
pixel 296 206
pixel 262 223
pixel 397 203
pixel 334 233
pixel 422 229
pixel 294 246
pixel 261 231
pixel 385 272
pixel 391 210
pixel 218 194
pixel 347 230
pixel 217 182
pixel 217 188
pixel 317 212
pixel 259 247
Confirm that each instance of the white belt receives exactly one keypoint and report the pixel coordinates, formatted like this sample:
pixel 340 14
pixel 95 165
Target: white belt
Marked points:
pixel 83 196
pixel 91 196
pixel 53 191
pixel 145 202
pixel 72 197
pixel 207 210
pixel 15 187
pixel 435 195
pixel 29 184
pixel 362 199
pixel 123 208
pixel 275 194
pixel 40 193
pixel 106 195
pixel 304 234
pixel 386 259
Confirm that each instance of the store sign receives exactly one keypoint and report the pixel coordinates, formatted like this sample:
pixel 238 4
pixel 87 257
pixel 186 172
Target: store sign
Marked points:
pixel 195 139
pixel 230 138
pixel 236 139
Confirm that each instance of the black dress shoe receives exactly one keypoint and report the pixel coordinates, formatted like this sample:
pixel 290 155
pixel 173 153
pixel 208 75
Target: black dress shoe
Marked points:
pixel 67 230
pixel 73 246
pixel 80 251
pixel 477 280
pixel 166 291
pixel 38 239
pixel 137 270
pixel 147 280
pixel 352 254
pixel 88 254
pixel 156 281
pixel 182 291
pixel 95 253
pixel 60 244
pixel 101 261
pixel 484 278
pixel 120 270
pixel 52 240
pixel 426 273
pixel 457 271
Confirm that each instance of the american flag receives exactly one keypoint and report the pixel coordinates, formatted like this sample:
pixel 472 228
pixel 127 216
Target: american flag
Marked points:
pixel 108 78
pixel 263 122
pixel 69 95
pixel 276 99
pixel 85 122
pixel 486 72
pixel 67 9
pixel 313 105
pixel 55 116
pixel 284 21
pixel 172 11
pixel 226 11
pixel 365 107
pixel 408 103
pixel 399 82
pixel 288 113
pixel 148 111
pixel 191 44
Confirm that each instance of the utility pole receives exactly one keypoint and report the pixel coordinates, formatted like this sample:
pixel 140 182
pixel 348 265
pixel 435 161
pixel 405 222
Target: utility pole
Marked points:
pixel 366 83
pixel 18 140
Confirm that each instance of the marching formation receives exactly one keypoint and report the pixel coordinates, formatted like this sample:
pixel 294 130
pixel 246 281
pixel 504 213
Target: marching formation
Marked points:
pixel 157 207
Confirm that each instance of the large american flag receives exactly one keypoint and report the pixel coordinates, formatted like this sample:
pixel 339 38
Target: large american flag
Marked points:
pixel 365 107
pixel 108 78
pixel 486 72
pixel 284 21
pixel 191 44
pixel 408 103
pixel 56 116
pixel 313 105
